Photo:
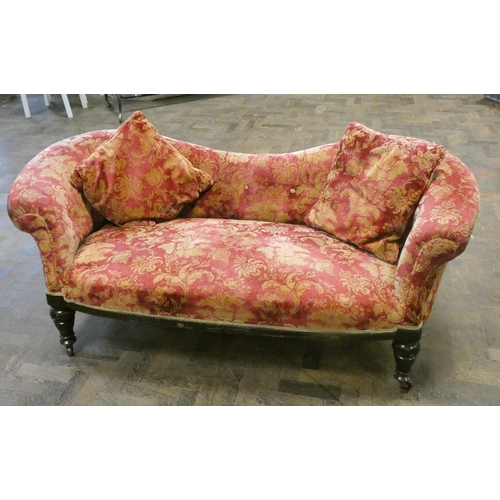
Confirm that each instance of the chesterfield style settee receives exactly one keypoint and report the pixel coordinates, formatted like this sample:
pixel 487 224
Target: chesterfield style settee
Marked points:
pixel 349 238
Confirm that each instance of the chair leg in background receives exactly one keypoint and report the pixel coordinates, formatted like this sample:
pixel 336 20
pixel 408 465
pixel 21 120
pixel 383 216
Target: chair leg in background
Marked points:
pixel 67 105
pixel 26 107
pixel 83 99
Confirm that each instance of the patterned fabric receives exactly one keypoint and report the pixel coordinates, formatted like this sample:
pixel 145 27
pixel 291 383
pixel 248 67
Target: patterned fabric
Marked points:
pixel 244 272
pixel 373 189
pixel 266 187
pixel 137 174
pixel 251 272
pixel 442 227
pixel 43 203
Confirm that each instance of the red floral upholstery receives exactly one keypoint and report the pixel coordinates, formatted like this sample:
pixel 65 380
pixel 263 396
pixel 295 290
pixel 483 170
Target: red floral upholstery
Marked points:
pixel 373 189
pixel 137 174
pixel 43 203
pixel 269 187
pixel 254 270
pixel 244 272
pixel 442 227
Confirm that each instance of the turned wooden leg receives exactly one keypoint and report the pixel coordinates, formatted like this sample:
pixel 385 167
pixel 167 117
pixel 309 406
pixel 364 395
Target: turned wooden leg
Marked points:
pixel 64 319
pixel 406 346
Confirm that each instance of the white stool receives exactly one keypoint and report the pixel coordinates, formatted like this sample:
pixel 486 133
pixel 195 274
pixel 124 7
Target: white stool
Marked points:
pixel 46 98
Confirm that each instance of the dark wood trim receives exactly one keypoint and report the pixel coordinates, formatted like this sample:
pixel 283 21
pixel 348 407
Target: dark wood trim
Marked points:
pixel 405 342
pixel 64 319
pixel 406 346
pixel 183 323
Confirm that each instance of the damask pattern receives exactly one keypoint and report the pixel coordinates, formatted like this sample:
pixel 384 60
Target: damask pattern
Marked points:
pixel 43 203
pixel 269 187
pixel 257 273
pixel 137 174
pixel 373 189
pixel 441 231
pixel 252 271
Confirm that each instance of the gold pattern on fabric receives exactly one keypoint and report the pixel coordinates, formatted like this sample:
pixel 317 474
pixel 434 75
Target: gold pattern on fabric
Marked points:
pixel 257 273
pixel 268 267
pixel 137 174
pixel 373 189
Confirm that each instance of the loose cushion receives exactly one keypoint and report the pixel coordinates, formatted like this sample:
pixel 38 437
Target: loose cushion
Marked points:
pixel 373 189
pixel 137 174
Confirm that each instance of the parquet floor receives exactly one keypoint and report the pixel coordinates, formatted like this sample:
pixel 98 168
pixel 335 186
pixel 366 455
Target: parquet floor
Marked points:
pixel 128 363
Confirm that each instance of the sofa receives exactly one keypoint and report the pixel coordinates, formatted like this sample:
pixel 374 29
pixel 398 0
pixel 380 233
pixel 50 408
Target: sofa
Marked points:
pixel 347 238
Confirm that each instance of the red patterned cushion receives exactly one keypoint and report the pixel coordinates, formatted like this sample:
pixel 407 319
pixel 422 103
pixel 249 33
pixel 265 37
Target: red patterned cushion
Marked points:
pixel 244 272
pixel 374 188
pixel 137 174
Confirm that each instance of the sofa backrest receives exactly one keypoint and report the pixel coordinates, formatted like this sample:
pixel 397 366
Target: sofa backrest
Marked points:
pixel 265 187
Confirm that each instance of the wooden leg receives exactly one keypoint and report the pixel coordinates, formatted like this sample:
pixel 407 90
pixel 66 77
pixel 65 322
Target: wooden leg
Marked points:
pixel 64 319
pixel 406 346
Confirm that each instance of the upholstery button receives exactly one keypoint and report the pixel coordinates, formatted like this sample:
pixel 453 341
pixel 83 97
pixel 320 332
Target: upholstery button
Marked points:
pixel 245 187
pixel 292 191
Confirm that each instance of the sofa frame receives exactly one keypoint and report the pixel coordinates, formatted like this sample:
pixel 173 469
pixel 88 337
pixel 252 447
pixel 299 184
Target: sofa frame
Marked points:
pixel 424 254
pixel 405 341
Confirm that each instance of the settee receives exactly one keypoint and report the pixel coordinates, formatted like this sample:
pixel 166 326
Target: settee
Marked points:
pixel 348 238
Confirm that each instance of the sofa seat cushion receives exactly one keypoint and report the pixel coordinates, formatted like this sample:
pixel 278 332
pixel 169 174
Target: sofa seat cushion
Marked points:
pixel 244 272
